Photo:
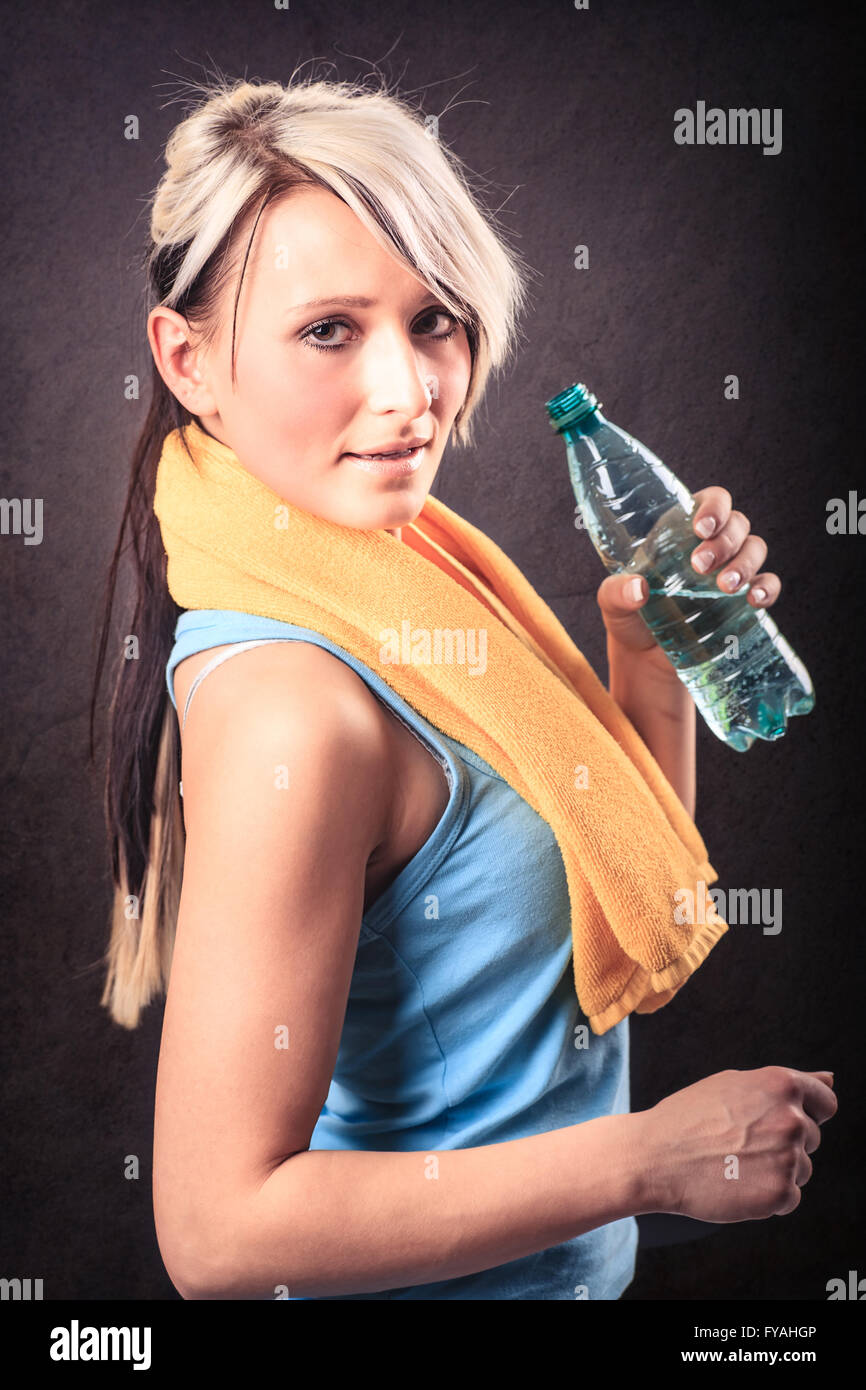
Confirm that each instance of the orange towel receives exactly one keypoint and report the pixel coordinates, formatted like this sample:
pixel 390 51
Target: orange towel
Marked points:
pixel 454 627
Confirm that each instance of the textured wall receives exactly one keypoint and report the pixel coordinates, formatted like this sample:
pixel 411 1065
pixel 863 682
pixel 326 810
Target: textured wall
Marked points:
pixel 703 261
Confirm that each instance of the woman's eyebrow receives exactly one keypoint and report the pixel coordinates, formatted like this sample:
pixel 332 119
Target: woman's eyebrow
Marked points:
pixel 357 301
pixel 354 301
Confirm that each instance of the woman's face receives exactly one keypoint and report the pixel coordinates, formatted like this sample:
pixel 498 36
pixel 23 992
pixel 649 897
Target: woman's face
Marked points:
pixel 317 384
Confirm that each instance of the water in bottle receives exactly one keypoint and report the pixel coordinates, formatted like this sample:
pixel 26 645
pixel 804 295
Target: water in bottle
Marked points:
pixel 743 676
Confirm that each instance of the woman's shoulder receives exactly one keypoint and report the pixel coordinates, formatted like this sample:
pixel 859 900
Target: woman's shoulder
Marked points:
pixel 285 703
pixel 279 690
pixel 270 670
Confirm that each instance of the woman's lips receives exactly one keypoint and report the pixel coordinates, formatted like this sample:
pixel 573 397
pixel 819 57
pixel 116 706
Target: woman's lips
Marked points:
pixel 391 467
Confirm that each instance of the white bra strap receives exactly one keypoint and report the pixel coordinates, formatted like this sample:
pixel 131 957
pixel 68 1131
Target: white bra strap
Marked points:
pixel 218 659
pixel 211 665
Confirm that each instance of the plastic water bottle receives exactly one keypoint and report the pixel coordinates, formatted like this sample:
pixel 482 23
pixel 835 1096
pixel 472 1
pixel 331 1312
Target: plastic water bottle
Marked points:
pixel 743 676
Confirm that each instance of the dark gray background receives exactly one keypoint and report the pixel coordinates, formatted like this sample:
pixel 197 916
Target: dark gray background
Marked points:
pixel 703 261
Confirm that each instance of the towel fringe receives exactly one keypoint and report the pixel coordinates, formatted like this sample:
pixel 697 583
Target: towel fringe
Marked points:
pixel 648 991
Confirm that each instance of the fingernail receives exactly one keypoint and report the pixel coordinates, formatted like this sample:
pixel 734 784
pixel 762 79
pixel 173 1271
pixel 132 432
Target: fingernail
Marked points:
pixel 706 526
pixel 760 594
pixel 732 580
pixel 635 589
pixel 702 560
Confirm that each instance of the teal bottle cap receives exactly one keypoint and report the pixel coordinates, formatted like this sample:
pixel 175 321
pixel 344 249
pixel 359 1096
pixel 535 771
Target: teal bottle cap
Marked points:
pixel 571 405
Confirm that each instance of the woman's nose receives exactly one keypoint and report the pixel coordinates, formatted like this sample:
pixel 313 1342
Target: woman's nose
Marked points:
pixel 398 381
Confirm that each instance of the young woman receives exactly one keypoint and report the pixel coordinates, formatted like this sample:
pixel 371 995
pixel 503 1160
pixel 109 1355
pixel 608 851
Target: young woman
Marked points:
pixel 327 293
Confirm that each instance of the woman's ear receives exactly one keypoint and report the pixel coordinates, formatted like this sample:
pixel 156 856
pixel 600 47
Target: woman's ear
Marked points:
pixel 180 361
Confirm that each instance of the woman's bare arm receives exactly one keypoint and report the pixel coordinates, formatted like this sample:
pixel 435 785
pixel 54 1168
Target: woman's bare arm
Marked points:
pixel 648 690
pixel 338 1221
pixel 287 791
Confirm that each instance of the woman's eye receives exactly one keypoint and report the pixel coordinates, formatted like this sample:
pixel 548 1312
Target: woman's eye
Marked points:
pixel 327 324
pixel 440 314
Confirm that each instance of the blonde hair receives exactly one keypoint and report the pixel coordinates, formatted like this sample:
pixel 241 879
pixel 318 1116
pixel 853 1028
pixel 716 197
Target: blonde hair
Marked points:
pixel 244 145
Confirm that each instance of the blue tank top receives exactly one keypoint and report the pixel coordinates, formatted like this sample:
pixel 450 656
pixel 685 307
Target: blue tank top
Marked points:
pixel 462 1026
